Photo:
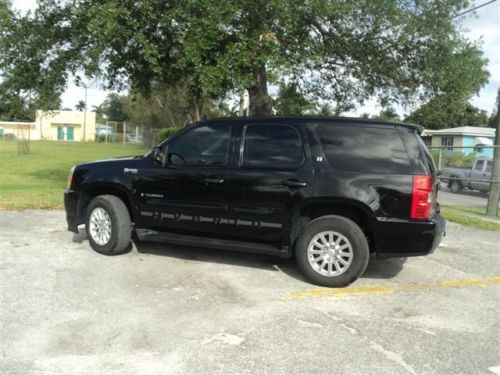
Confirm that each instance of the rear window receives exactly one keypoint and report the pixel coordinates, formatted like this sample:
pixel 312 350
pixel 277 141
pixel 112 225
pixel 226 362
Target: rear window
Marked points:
pixel 364 149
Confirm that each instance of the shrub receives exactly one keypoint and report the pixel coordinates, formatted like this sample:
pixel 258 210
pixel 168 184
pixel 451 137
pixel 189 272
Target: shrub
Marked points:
pixel 167 132
pixel 453 158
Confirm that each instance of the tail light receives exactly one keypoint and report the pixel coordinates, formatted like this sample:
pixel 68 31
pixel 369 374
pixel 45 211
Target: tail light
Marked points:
pixel 421 200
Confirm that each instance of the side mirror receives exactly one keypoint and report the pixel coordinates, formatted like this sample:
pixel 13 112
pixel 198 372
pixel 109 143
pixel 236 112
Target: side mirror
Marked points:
pixel 158 155
pixel 155 152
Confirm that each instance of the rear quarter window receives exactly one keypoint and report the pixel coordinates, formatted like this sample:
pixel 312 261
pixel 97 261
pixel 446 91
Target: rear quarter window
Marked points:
pixel 367 149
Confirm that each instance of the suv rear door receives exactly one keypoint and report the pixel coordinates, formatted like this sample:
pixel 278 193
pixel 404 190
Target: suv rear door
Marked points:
pixel 271 174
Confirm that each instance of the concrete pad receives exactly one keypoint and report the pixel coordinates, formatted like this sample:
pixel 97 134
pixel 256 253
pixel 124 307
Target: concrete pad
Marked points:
pixel 165 309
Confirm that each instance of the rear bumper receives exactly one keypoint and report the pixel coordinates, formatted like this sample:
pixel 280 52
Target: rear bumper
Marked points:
pixel 71 207
pixel 404 238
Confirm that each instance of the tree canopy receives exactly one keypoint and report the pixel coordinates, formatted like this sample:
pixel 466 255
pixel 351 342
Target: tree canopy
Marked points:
pixel 441 113
pixel 19 99
pixel 292 102
pixel 341 51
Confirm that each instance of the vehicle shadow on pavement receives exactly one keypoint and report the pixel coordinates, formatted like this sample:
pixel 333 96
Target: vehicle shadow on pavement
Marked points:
pixel 208 255
pixel 377 268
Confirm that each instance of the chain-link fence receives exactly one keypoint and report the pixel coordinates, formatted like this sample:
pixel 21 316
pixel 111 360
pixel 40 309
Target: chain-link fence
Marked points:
pixel 120 132
pixel 466 173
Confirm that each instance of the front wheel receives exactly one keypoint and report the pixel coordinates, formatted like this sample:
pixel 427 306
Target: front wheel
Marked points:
pixel 332 251
pixel 108 225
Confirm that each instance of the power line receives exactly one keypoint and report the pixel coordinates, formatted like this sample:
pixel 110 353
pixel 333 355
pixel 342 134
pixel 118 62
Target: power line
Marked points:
pixel 473 9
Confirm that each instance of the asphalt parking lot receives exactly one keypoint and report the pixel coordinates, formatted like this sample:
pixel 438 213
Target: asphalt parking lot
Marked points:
pixel 169 310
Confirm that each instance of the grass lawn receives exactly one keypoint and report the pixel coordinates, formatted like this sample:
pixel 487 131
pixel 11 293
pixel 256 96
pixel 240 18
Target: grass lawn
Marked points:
pixel 470 216
pixel 38 179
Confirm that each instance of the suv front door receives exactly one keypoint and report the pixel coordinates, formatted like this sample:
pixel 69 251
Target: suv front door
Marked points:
pixel 189 194
pixel 271 175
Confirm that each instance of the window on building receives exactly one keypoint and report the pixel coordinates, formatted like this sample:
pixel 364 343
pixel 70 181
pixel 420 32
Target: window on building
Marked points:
pixel 447 142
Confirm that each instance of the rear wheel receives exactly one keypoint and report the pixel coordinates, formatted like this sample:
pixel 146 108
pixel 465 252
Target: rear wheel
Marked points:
pixel 332 251
pixel 456 186
pixel 108 225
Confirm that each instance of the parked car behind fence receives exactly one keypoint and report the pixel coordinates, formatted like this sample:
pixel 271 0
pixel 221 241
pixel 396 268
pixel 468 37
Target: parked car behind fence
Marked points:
pixel 465 170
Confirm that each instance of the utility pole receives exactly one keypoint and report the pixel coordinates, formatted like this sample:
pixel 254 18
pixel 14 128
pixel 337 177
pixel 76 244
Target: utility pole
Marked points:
pixel 494 197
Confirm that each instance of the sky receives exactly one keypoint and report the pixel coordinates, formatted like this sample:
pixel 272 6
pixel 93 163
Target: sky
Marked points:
pixel 483 26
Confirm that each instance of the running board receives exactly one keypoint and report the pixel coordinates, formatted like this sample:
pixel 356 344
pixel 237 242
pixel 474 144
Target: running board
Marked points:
pixel 213 243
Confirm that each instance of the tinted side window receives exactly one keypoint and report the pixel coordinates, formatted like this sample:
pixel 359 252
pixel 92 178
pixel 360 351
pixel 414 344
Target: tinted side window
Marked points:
pixel 272 147
pixel 364 149
pixel 427 155
pixel 489 166
pixel 202 145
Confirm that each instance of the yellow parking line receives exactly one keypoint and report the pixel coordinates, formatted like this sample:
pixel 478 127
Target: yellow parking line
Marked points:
pixel 390 289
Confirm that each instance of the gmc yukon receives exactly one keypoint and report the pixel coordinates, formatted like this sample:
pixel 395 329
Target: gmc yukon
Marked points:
pixel 327 191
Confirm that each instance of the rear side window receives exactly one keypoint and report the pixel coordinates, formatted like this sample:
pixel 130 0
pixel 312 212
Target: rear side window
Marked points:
pixel 272 147
pixel 364 149
pixel 479 165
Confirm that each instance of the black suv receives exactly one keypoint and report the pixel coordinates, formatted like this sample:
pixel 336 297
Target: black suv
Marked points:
pixel 327 191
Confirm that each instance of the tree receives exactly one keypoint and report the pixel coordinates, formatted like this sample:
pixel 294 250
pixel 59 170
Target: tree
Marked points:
pixel 388 113
pixel 169 106
pixel 290 101
pixel 21 104
pixel 113 108
pixel 81 105
pixel 20 98
pixel 493 119
pixel 444 112
pixel 340 51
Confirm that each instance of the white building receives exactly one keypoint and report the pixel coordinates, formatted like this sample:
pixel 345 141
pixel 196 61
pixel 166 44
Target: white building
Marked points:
pixel 55 126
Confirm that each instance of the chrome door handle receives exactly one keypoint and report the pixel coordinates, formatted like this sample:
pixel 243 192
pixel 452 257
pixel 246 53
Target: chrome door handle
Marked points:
pixel 294 183
pixel 213 180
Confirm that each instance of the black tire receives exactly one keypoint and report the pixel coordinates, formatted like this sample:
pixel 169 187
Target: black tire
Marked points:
pixel 121 226
pixel 456 186
pixel 348 229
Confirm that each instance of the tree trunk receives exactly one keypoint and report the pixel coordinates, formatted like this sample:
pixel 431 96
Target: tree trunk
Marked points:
pixel 197 111
pixel 241 112
pixel 260 101
pixel 494 196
